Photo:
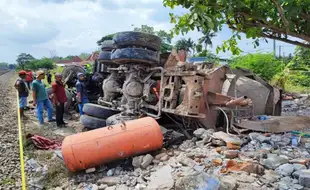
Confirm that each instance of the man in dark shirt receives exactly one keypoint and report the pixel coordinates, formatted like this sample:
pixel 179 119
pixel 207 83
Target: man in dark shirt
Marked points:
pixel 60 98
pixel 23 92
pixel 49 77
pixel 81 92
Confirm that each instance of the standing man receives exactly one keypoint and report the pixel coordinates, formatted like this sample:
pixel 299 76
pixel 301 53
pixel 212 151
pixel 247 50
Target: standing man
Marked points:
pixel 40 98
pixel 60 98
pixel 81 92
pixel 23 92
pixel 29 78
pixel 49 77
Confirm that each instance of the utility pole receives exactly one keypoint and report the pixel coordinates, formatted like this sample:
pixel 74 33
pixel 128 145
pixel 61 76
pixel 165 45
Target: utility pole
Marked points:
pixel 274 48
pixel 279 50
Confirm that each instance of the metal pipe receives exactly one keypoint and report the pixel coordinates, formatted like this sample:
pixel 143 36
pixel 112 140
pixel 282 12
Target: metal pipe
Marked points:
pixel 159 105
pixel 238 101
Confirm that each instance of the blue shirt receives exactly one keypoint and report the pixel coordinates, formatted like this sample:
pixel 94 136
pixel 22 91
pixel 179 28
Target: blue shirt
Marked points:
pixel 39 88
pixel 80 88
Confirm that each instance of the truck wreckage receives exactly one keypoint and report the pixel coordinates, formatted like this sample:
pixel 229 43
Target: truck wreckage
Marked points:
pixel 140 86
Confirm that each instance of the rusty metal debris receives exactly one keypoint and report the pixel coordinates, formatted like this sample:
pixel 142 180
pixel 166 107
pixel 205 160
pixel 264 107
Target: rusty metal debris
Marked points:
pixel 140 82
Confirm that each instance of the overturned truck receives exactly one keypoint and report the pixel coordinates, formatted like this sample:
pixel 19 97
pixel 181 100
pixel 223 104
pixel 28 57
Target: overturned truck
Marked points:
pixel 140 82
pixel 141 86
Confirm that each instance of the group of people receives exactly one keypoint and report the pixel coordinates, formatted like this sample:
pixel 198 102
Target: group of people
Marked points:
pixel 41 99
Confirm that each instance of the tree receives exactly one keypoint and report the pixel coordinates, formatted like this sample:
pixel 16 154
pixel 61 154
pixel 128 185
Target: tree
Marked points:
pixel 274 19
pixel 187 45
pixel 104 38
pixel 191 45
pixel 84 56
pixel 164 36
pixel 3 65
pixel 44 63
pixel 69 57
pixel 301 58
pixel 198 48
pixel 23 59
pixel 206 39
pixel 265 65
pixel 182 44
pixel 146 29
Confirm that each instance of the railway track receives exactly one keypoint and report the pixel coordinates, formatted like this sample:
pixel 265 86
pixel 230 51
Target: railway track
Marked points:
pixel 2 72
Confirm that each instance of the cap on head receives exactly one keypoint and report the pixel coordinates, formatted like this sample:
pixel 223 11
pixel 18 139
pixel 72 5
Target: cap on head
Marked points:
pixel 22 72
pixel 38 73
pixel 80 74
pixel 58 75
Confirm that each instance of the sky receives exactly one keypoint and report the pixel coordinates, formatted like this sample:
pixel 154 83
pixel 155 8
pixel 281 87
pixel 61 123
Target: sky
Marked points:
pixel 47 27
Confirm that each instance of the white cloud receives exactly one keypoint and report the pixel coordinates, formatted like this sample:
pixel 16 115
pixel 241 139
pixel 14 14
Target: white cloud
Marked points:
pixel 72 27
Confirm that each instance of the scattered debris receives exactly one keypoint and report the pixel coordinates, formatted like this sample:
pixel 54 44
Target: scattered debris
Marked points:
pixel 43 143
pixel 161 179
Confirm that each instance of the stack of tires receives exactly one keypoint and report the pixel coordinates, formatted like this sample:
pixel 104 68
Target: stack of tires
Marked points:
pixel 95 115
pixel 73 70
pixel 104 57
pixel 136 47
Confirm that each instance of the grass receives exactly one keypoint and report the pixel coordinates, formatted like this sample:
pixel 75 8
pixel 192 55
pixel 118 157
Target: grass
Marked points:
pixel 7 181
pixel 57 173
pixel 297 89
pixel 55 70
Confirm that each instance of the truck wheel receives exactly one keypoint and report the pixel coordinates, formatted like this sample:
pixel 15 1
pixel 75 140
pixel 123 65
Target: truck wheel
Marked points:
pixel 129 55
pixel 139 39
pixel 104 55
pixel 92 122
pixel 107 45
pixel 68 106
pixel 75 69
pixel 118 118
pixel 98 111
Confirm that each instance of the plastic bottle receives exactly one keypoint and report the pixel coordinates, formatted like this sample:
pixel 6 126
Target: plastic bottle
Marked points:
pixel 294 141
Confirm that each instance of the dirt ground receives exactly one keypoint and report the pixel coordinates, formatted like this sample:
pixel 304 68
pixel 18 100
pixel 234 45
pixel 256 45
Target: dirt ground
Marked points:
pixel 176 168
pixel 9 151
pixel 56 174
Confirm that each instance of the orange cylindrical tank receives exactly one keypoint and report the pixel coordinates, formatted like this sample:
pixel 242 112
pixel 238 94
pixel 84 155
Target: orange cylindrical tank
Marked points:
pixel 93 148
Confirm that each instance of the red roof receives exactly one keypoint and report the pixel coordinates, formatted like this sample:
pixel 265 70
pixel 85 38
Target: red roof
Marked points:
pixel 75 59
pixel 92 57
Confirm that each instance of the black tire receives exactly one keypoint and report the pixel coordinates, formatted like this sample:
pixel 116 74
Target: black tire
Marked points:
pixel 139 39
pixel 92 122
pixel 68 104
pixel 118 118
pixel 75 70
pixel 136 55
pixel 98 111
pixel 107 45
pixel 104 55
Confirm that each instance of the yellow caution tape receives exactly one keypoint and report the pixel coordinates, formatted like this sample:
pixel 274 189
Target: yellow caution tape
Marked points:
pixel 21 149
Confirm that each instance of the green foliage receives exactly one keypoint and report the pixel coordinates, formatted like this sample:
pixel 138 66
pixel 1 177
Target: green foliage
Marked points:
pixel 272 19
pixel 264 65
pixel 301 58
pixel 44 63
pixel 84 56
pixel 165 36
pixel 186 44
pixel 4 65
pixel 198 47
pixel 104 38
pixel 296 75
pixel 23 59
pixel 206 39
